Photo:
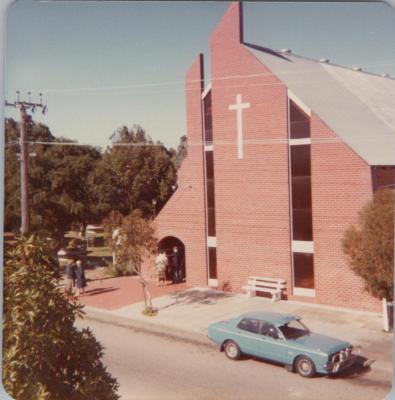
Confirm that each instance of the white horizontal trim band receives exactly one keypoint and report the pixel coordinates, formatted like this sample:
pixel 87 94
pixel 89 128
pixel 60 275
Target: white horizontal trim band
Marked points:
pixel 211 241
pixel 304 292
pixel 300 246
pixel 213 282
pixel 298 142
pixel 208 147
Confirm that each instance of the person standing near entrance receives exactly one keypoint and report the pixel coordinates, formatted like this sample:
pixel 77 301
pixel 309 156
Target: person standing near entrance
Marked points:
pixel 70 277
pixel 176 265
pixel 81 281
pixel 161 264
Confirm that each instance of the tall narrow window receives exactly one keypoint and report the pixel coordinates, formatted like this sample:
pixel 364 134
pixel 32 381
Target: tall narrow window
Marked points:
pixel 212 262
pixel 210 195
pixel 208 124
pixel 210 189
pixel 302 227
pixel 301 201
pixel 299 122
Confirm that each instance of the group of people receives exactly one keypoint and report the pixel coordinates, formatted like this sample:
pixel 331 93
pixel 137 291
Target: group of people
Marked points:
pixel 168 267
pixel 75 277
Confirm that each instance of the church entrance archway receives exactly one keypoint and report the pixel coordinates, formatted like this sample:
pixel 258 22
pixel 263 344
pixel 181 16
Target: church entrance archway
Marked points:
pixel 167 245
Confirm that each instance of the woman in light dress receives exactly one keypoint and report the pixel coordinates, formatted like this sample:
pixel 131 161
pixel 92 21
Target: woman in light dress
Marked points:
pixel 161 264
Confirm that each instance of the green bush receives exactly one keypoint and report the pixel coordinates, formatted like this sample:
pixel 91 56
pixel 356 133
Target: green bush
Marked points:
pixel 369 247
pixel 45 356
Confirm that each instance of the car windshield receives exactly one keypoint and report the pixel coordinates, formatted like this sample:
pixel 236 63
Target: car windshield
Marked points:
pixel 294 329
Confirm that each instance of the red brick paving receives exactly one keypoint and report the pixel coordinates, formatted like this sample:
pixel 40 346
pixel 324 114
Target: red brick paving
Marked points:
pixel 113 293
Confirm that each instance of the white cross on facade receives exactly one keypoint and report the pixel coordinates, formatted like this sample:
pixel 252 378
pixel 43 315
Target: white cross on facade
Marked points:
pixel 239 107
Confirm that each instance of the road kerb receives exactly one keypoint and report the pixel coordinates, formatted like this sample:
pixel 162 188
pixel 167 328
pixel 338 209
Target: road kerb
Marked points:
pixel 147 327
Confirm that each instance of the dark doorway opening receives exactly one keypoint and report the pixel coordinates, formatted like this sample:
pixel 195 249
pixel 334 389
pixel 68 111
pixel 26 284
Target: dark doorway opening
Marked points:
pixel 167 245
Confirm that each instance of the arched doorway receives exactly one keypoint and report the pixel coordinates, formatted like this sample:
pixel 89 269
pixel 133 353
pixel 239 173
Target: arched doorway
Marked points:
pixel 167 245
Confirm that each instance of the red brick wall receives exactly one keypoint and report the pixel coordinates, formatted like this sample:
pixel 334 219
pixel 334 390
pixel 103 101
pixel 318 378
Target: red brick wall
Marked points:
pixel 341 186
pixel 251 194
pixel 184 216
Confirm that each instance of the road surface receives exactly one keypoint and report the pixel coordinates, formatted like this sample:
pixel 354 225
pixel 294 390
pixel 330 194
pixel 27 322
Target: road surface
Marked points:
pixel 156 367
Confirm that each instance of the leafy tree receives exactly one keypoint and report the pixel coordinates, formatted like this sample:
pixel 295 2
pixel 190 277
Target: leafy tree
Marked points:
pixel 181 153
pixel 134 172
pixel 44 356
pixel 132 239
pixel 60 187
pixel 61 193
pixel 370 246
pixel 12 192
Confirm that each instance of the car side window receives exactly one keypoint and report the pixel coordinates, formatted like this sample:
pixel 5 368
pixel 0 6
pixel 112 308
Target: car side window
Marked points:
pixel 249 324
pixel 269 329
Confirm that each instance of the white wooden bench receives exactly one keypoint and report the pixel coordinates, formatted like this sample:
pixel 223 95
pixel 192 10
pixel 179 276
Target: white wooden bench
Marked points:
pixel 265 285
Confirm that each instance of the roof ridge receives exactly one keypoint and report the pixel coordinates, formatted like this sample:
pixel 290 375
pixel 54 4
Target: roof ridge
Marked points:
pixel 285 56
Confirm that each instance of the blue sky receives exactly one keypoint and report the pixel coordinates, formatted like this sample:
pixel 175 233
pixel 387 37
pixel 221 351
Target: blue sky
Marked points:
pixel 102 65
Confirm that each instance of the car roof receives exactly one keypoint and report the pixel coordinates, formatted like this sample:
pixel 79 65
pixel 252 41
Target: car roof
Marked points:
pixel 277 319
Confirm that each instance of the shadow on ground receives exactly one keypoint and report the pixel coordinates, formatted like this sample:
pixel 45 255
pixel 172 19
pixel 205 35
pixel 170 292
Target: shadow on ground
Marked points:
pixel 193 296
pixel 94 292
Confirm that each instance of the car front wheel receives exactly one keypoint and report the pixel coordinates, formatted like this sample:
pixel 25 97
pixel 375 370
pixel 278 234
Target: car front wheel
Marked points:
pixel 232 350
pixel 305 367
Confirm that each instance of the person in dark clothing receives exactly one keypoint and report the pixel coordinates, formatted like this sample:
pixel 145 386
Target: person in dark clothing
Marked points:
pixel 169 267
pixel 176 265
pixel 70 276
pixel 81 281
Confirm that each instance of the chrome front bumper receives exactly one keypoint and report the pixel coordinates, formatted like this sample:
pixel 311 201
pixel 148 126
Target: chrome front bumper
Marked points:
pixel 341 365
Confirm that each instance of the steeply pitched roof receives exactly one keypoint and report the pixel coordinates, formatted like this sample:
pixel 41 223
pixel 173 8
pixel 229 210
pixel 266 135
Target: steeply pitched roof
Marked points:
pixel 358 106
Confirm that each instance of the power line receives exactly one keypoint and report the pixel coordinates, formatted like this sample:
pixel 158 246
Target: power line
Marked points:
pixel 247 142
pixel 170 83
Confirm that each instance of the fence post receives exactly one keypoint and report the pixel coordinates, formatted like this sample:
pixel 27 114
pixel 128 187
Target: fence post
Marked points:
pixel 385 315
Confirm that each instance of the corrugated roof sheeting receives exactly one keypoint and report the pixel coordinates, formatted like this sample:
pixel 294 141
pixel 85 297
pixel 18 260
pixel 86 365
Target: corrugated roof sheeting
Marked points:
pixel 359 107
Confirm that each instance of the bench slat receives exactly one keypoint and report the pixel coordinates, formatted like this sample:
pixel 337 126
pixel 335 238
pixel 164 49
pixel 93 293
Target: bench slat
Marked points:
pixel 266 279
pixel 265 285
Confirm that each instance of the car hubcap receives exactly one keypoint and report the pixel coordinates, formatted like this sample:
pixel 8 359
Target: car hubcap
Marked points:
pixel 305 367
pixel 231 350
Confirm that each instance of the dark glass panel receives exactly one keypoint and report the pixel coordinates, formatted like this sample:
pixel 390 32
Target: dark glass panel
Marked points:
pixel 383 177
pixel 208 135
pixel 299 122
pixel 210 193
pixel 211 221
pixel 209 165
pixel 303 270
pixel 300 160
pixel 300 129
pixel 212 262
pixel 302 226
pixel 249 324
pixel 208 125
pixel 301 192
pixel 269 329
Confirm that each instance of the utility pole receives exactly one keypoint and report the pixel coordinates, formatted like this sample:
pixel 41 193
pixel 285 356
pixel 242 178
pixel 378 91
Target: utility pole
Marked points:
pixel 23 106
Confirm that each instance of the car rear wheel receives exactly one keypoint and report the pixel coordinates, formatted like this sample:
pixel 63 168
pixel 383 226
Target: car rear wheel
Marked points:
pixel 305 367
pixel 232 350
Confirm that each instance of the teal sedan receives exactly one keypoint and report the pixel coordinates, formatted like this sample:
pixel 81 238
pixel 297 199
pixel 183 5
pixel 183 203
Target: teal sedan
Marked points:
pixel 282 338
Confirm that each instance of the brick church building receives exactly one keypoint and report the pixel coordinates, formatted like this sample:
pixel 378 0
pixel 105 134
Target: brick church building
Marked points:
pixel 283 152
